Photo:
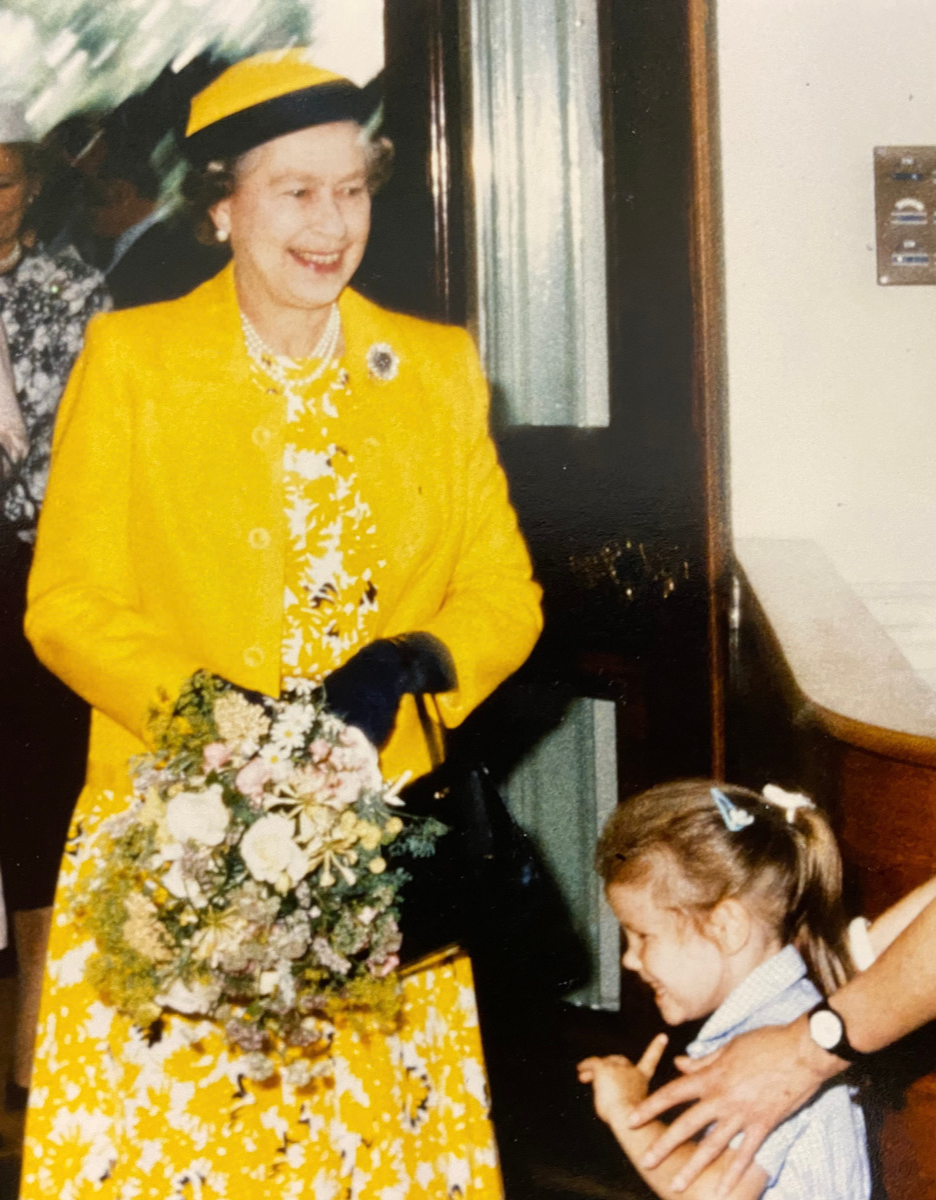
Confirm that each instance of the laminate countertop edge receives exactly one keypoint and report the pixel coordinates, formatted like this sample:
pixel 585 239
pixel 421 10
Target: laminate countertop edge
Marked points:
pixel 855 681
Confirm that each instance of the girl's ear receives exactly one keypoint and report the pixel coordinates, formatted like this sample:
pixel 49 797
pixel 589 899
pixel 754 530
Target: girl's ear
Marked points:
pixel 729 925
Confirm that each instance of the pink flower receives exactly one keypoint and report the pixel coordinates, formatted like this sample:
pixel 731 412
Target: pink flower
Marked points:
pixel 215 755
pixel 341 789
pixel 357 756
pixel 385 966
pixel 252 778
pixel 356 750
pixel 319 750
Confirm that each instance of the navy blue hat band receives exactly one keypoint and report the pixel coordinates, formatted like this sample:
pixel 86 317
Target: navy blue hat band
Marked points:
pixel 318 105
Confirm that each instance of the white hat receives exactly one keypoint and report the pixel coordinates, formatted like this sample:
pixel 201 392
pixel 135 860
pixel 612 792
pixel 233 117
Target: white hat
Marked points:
pixel 13 124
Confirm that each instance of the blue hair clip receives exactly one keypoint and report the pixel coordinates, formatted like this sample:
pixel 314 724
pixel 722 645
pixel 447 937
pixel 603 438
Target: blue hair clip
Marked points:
pixel 735 818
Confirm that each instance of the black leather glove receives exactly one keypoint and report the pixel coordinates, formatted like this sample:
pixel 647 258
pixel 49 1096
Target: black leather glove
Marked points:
pixel 367 689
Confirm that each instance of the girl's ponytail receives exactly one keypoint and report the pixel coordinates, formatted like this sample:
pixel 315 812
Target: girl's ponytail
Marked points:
pixel 816 923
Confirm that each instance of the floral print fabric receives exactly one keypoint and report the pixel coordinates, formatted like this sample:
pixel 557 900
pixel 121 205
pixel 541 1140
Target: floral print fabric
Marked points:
pixel 123 1114
pixel 45 304
pixel 331 595
pixel 119 1113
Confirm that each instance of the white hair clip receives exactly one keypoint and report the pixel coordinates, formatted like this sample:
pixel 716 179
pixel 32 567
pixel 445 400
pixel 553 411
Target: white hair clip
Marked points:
pixel 735 818
pixel 790 802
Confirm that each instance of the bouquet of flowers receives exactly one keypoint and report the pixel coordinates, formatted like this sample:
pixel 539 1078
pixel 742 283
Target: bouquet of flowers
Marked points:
pixel 251 879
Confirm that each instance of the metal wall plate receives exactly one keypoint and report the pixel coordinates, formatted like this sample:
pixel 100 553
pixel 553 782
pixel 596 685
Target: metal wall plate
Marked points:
pixel 905 214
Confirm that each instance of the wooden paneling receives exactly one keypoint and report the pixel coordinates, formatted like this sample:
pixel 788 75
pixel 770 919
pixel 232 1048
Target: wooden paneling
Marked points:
pixel 888 824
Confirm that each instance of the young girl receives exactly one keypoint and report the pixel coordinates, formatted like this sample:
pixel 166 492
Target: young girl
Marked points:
pixel 731 905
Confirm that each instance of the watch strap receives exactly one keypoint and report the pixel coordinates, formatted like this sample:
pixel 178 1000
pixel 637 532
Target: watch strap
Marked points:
pixel 843 1047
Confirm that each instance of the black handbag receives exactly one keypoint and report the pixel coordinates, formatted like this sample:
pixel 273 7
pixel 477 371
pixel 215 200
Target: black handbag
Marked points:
pixel 486 888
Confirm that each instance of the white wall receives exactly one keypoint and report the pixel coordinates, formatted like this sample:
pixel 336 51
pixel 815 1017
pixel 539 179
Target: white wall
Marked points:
pixel 832 378
pixel 348 37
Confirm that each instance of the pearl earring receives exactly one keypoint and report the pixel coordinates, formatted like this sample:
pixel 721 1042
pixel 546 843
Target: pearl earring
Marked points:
pixel 222 235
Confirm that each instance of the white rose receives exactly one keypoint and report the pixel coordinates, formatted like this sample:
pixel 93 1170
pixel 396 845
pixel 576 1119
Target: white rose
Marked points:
pixel 201 817
pixel 270 853
pixel 194 998
pixel 182 886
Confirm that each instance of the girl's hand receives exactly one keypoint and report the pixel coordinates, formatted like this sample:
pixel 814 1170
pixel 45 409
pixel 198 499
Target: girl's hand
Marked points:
pixel 749 1086
pixel 620 1085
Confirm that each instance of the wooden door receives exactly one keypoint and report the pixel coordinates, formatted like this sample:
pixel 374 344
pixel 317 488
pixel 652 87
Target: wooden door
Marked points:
pixel 619 520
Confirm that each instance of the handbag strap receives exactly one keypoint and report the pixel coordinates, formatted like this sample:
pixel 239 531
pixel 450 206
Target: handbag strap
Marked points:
pixel 435 738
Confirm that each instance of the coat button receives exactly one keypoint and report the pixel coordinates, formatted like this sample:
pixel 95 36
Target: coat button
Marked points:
pixel 254 656
pixel 261 436
pixel 259 538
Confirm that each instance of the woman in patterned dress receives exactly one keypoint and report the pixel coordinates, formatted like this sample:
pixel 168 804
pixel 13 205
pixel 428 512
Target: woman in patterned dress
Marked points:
pixel 275 480
pixel 45 304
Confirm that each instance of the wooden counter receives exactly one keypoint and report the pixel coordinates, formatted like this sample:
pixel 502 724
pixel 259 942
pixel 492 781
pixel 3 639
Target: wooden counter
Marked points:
pixel 823 699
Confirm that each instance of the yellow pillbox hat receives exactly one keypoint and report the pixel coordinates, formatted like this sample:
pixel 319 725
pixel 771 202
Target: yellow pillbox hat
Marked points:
pixel 267 96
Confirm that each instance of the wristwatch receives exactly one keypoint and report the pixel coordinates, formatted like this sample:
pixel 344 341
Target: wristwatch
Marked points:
pixel 827 1030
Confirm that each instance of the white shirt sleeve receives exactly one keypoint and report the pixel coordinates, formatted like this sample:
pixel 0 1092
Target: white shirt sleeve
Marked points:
pixel 859 943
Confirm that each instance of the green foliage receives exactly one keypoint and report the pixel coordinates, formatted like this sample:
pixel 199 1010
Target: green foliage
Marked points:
pixel 125 978
pixel 419 840
pixel 181 728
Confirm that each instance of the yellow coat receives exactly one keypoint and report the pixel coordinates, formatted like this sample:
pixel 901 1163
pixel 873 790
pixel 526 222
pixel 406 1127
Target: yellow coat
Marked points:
pixel 162 538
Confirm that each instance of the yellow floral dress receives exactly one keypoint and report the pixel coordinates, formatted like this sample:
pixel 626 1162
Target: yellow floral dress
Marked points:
pixel 120 1113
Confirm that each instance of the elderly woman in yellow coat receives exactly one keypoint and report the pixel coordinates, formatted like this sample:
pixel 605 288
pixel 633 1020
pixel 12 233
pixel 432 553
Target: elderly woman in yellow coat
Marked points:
pixel 272 479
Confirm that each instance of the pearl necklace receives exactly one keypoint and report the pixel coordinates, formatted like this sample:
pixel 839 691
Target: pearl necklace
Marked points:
pixel 12 259
pixel 277 365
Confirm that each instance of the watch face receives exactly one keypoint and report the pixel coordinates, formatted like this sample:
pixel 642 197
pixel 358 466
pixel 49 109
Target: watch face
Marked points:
pixel 826 1028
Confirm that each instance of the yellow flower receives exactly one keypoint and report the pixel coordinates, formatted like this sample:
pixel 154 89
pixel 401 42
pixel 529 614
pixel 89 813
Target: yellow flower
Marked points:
pixel 347 825
pixel 142 931
pixel 393 826
pixel 377 865
pixel 316 827
pixel 368 834
pixel 220 932
pixel 237 720
pixel 152 810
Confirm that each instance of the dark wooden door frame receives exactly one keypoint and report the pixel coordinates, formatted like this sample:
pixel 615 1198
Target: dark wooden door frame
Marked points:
pixel 709 374
pixel 415 260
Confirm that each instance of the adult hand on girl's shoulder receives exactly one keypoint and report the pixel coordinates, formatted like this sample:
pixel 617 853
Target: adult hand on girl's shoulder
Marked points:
pixel 748 1086
pixel 618 1084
